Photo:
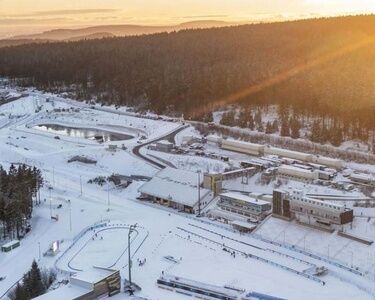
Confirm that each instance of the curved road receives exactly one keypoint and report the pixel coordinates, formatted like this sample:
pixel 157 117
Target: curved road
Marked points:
pixel 169 136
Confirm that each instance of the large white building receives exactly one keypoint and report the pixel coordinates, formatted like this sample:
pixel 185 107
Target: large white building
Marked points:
pixel 260 150
pixel 297 173
pixel 251 208
pixel 178 189
pixel 362 178
pixel 243 147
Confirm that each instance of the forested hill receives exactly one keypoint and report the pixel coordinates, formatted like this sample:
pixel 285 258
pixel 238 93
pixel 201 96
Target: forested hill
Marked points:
pixel 323 66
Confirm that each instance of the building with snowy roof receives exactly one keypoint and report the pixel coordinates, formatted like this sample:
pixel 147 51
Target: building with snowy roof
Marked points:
pixel 296 204
pixel 242 147
pixel 163 146
pixel 297 173
pixel 362 178
pixel 94 283
pixel 178 189
pixel 251 208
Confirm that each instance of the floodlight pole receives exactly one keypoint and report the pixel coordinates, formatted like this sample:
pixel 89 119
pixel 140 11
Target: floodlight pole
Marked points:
pixel 131 229
pixel 50 203
pixel 70 216
pixel 108 201
pixel 199 193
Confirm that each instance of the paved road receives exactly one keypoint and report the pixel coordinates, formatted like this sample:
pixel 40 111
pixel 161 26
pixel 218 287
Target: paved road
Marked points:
pixel 170 137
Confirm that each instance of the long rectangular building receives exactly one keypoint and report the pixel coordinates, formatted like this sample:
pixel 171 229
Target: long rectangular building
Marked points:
pixel 297 173
pixel 260 150
pixel 295 204
pixel 249 207
pixel 178 189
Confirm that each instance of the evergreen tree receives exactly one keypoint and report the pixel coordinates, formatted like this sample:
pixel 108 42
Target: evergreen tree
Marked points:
pixel 269 128
pixel 228 118
pixel 285 130
pixel 258 120
pixel 33 281
pixel 251 124
pixel 18 186
pixel 324 134
pixel 19 293
pixel 294 128
pixel 316 132
pixel 208 117
pixel 275 126
pixel 336 137
pixel 243 117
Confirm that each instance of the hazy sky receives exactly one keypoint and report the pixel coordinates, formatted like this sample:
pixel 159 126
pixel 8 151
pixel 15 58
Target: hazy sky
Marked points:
pixel 24 16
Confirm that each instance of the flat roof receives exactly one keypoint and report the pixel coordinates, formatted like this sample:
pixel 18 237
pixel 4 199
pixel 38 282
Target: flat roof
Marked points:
pixel 201 285
pixel 361 176
pixel 292 168
pixel 245 198
pixel 175 191
pixel 176 185
pixel 11 243
pixel 65 292
pixel 316 202
pixel 243 224
pixel 282 151
pixel 93 275
pixel 180 175
pixel 164 142
pixel 243 143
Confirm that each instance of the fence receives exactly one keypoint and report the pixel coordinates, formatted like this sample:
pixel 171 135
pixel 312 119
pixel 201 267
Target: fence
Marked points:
pixel 96 225
pixel 315 256
pixel 311 277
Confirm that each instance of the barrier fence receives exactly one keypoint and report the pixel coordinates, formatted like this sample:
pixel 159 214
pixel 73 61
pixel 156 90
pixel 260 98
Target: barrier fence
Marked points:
pixel 311 277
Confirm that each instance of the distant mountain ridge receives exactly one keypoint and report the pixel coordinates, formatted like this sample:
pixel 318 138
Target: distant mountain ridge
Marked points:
pixel 116 30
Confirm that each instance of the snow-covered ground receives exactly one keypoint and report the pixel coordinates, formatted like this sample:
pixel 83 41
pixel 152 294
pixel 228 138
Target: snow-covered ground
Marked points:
pixel 197 244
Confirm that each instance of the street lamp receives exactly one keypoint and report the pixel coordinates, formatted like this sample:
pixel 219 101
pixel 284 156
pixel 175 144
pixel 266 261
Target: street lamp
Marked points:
pixel 131 229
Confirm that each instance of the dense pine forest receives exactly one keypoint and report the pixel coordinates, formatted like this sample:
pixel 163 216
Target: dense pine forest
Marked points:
pixel 18 186
pixel 317 67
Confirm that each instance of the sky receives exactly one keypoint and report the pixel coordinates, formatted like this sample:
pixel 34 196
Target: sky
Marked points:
pixel 30 16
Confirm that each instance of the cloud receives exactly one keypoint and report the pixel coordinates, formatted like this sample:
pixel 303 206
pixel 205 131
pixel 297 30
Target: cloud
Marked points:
pixel 64 12
pixel 205 16
pixel 31 21
pixel 74 12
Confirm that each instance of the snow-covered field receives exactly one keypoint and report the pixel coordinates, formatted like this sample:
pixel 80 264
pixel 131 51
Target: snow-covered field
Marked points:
pixel 197 244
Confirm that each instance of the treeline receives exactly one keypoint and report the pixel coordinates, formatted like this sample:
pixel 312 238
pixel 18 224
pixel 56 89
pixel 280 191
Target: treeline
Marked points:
pixel 18 186
pixel 289 123
pixel 300 145
pixel 34 283
pixel 320 67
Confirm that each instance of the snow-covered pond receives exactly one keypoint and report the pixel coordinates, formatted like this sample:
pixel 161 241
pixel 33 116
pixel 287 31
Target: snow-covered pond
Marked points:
pixel 87 133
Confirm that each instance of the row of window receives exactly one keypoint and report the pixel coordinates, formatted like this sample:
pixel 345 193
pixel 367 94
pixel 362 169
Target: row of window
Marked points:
pixel 318 203
pixel 316 213
pixel 196 290
pixel 248 208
